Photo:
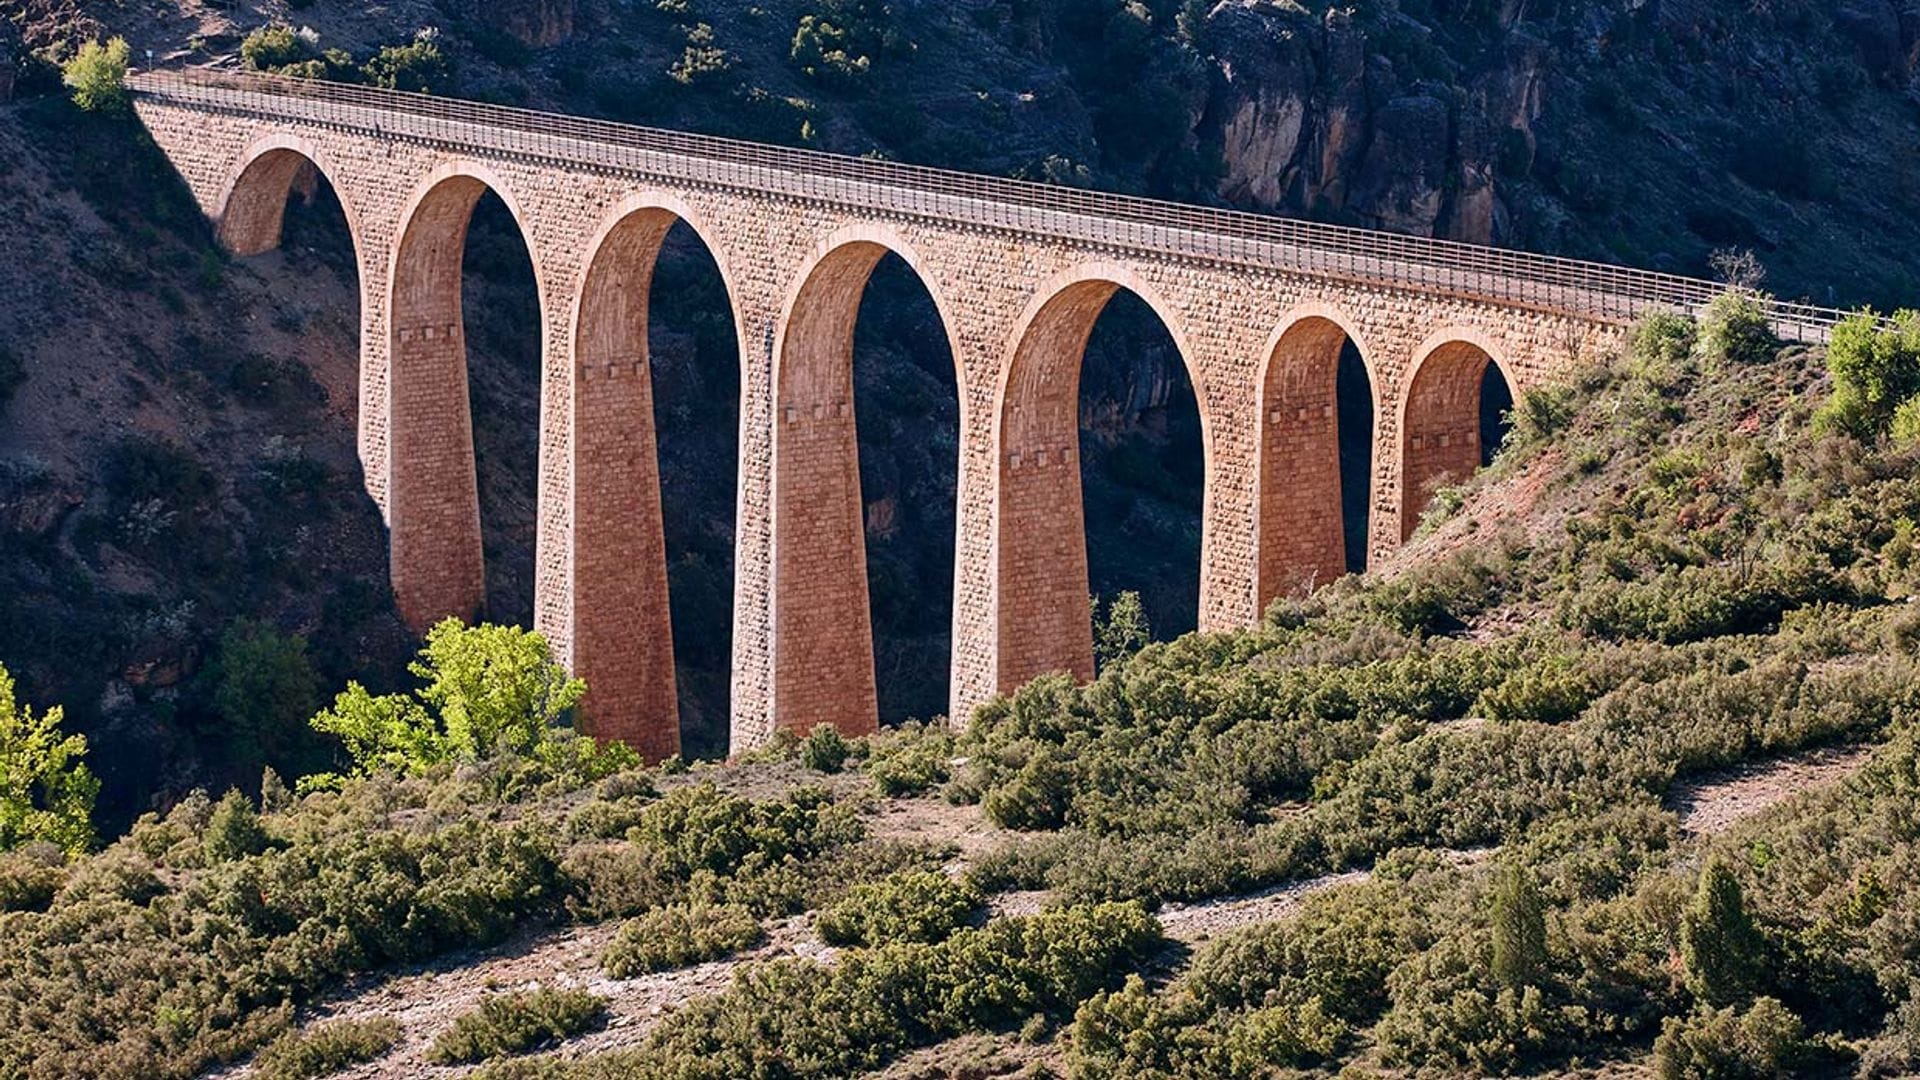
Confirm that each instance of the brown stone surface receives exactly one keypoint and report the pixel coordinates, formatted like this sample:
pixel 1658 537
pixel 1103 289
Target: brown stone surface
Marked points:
pixel 1260 344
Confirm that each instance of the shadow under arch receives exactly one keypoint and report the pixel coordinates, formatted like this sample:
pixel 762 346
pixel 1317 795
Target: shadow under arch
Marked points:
pixel 253 206
pixel 1442 426
pixel 1302 534
pixel 621 608
pixel 823 644
pixel 439 567
pixel 1041 587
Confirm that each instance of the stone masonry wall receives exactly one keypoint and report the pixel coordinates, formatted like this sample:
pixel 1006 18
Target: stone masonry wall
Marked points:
pixel 1017 309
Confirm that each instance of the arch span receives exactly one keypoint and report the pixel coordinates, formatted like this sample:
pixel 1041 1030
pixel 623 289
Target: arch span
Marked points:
pixel 439 569
pixel 1440 434
pixel 622 631
pixel 1301 533
pixel 1040 538
pixel 823 647
pixel 253 203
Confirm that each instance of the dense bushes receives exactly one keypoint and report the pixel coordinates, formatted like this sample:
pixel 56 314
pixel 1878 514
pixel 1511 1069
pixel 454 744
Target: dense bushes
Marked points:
pixel 797 1018
pixel 418 65
pixel 514 1023
pixel 325 1049
pixel 676 935
pixel 918 905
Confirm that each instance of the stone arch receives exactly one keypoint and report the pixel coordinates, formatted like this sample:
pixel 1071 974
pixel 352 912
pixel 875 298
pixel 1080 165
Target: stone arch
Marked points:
pixel 253 201
pixel 1039 521
pixel 1300 528
pixel 622 636
pixel 823 650
pixel 434 500
pixel 1439 415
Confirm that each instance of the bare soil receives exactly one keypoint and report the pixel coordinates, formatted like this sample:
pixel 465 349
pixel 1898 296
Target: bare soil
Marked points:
pixel 1712 804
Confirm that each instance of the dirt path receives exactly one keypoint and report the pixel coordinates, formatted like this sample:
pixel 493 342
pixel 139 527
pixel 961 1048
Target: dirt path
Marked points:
pixel 1711 804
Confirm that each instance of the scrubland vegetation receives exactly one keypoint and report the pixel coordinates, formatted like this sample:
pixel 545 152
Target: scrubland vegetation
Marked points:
pixel 1717 566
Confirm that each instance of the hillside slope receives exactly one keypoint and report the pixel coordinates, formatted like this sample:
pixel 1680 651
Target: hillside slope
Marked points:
pixel 1464 816
pixel 167 396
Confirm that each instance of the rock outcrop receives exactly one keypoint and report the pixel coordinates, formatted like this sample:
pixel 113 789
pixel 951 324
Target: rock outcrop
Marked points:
pixel 1311 118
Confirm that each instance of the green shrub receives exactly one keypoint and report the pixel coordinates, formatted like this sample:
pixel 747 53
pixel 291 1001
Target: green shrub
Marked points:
pixel 824 750
pixel 46 791
pixel 1734 330
pixel 31 876
pixel 1765 1040
pixel 916 905
pixel 514 1023
pixel 97 74
pixel 326 1048
pixel 678 935
pixel 418 66
pixel 910 759
pixel 273 48
pixel 1660 347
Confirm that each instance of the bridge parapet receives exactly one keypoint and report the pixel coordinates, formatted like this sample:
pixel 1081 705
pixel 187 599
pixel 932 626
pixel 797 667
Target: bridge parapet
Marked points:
pixel 1127 224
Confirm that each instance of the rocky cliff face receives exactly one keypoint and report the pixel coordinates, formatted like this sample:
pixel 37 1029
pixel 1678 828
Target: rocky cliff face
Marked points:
pixel 1310 116
pixel 1423 119
pixel 534 23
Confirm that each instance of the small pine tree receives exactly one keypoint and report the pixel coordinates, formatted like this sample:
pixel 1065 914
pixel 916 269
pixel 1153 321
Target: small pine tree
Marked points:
pixel 1123 632
pixel 234 831
pixel 1519 931
pixel 1723 952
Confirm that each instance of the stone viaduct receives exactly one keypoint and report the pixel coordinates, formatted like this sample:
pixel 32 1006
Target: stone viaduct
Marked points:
pixel 1259 308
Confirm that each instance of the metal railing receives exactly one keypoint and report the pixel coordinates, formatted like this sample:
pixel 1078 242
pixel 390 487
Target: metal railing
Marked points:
pixel 1123 222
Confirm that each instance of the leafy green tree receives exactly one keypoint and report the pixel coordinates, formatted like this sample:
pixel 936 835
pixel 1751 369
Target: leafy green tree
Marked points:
pixel 265 689
pixel 1723 952
pixel 1876 371
pixel 486 690
pixel 46 792
pixel 1519 930
pixel 97 75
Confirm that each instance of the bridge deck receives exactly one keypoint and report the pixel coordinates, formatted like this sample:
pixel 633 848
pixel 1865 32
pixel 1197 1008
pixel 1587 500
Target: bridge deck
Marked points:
pixel 1589 289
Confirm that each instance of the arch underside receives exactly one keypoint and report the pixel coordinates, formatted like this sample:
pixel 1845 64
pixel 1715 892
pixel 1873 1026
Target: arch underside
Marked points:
pixel 254 214
pixel 1440 438
pixel 823 627
pixel 438 565
pixel 1302 540
pixel 1043 624
pixel 622 627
